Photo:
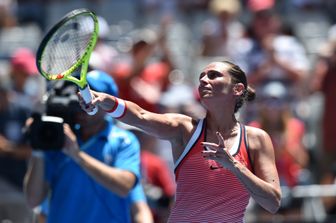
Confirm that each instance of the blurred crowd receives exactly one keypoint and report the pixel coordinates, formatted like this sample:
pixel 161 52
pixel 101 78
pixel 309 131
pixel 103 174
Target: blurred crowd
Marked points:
pixel 155 49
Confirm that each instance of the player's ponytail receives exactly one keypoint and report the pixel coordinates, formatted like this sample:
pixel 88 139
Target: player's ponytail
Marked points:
pixel 238 76
pixel 250 93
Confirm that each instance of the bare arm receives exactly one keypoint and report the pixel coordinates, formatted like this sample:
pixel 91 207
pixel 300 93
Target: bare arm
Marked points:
pixel 35 187
pixel 17 151
pixel 165 126
pixel 141 213
pixel 117 180
pixel 319 72
pixel 263 184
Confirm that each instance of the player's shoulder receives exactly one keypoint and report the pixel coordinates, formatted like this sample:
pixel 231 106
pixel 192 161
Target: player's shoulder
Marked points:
pixel 256 136
pixel 182 122
pixel 254 130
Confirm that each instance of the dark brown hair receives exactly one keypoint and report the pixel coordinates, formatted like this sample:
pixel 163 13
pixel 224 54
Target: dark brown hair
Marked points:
pixel 239 76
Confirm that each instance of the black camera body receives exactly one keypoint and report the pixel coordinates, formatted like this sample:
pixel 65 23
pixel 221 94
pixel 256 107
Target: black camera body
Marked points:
pixel 46 131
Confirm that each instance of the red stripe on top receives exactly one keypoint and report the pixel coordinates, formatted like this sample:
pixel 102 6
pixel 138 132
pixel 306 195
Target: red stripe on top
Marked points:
pixel 205 195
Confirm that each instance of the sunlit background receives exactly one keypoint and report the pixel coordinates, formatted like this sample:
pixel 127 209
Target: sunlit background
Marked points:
pixel 155 50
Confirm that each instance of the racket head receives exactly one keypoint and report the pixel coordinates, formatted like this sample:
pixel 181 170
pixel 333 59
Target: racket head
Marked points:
pixel 67 47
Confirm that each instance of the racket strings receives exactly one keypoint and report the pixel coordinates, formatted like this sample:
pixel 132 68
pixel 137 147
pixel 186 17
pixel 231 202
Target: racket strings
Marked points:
pixel 68 44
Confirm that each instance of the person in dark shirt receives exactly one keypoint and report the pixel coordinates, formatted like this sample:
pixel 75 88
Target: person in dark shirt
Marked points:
pixel 14 152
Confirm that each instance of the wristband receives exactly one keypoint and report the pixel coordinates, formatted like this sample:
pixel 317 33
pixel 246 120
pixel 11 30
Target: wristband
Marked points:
pixel 119 108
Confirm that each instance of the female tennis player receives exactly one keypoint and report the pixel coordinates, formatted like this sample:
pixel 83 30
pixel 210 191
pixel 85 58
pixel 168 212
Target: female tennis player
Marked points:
pixel 219 162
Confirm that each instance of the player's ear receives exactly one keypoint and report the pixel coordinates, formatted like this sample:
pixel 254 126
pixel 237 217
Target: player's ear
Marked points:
pixel 238 89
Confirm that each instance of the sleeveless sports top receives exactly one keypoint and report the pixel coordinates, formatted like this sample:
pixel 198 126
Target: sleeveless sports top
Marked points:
pixel 205 191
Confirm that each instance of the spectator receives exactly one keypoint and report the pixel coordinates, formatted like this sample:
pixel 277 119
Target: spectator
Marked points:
pixel 144 77
pixel 323 80
pixel 28 87
pixel 181 98
pixel 157 179
pixel 14 153
pixel 223 34
pixel 287 133
pixel 140 212
pixel 91 180
pixel 32 11
pixel 104 55
pixel 273 53
pixel 7 18
pixel 329 202
pixel 271 57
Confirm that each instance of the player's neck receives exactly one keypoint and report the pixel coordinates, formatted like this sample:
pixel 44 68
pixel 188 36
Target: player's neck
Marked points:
pixel 223 125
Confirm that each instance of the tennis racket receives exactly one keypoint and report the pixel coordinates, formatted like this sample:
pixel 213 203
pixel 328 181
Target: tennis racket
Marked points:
pixel 64 52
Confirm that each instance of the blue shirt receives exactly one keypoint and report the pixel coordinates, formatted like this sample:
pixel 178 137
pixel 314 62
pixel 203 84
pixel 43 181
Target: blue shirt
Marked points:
pixel 75 196
pixel 137 194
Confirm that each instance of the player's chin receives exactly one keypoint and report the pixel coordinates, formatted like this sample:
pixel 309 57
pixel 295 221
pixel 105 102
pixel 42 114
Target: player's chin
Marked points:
pixel 205 95
pixel 204 91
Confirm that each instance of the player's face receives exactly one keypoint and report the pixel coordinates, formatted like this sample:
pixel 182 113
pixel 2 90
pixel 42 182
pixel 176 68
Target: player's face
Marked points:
pixel 214 81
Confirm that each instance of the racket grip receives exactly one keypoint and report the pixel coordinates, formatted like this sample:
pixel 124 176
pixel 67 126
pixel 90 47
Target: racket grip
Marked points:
pixel 86 94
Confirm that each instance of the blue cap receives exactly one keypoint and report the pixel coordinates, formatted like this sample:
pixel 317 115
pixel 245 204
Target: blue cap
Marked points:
pixel 102 82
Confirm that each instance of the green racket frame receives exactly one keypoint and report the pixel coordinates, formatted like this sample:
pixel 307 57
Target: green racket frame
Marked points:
pixel 83 61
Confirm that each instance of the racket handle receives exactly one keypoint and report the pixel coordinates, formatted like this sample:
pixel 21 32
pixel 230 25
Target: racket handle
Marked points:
pixel 86 94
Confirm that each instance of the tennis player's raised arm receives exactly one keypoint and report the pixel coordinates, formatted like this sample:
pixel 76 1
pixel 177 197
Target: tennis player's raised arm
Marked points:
pixel 169 126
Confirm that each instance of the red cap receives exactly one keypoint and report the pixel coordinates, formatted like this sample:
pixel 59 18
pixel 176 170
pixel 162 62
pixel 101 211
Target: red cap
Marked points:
pixel 24 59
pixel 258 5
pixel 156 72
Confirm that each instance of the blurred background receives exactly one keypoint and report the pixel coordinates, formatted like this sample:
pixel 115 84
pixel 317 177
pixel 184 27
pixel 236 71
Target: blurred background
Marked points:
pixel 156 49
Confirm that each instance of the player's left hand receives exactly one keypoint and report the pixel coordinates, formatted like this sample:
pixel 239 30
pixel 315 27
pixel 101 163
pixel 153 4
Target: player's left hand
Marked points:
pixel 218 152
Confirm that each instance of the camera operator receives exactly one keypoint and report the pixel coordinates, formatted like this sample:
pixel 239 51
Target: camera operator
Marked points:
pixel 91 177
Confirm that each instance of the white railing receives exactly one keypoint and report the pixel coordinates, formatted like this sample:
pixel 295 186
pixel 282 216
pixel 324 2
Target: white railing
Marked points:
pixel 312 209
